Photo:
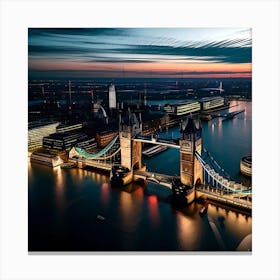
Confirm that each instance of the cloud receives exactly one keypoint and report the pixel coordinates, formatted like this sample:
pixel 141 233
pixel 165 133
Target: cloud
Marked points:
pixel 49 32
pixel 236 51
pixel 125 45
pixel 210 52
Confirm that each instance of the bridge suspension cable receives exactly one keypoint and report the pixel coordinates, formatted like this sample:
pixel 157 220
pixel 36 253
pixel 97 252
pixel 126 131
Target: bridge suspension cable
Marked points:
pixel 109 156
pixel 216 164
pixel 219 179
pixel 98 155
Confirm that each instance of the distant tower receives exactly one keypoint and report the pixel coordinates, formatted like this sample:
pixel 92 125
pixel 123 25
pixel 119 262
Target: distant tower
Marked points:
pixel 221 87
pixel 91 92
pixel 145 96
pixel 190 142
pixel 112 97
pixel 70 98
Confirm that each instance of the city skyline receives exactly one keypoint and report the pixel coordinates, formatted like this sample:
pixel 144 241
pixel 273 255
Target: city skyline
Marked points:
pixel 140 52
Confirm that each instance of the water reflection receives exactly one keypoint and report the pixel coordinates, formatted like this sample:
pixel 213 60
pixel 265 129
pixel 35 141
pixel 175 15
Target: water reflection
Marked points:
pixel 132 216
pixel 130 207
pixel 30 171
pixel 80 174
pixel 153 210
pixel 105 194
pixel 229 227
pixel 59 179
pixel 189 233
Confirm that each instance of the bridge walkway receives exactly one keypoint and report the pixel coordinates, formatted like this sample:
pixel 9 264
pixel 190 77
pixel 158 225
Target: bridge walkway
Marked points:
pixel 234 199
pixel 161 179
pixel 158 141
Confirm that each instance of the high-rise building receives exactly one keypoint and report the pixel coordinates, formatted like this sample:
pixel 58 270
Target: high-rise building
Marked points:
pixel 112 97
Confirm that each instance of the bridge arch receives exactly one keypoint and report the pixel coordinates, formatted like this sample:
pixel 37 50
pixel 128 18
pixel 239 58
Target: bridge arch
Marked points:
pixel 198 182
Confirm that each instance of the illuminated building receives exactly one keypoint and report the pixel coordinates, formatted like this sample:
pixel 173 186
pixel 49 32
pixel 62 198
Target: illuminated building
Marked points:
pixel 64 141
pixel 62 128
pixel 212 102
pixel 246 166
pixel 112 97
pixel 46 159
pixel 103 138
pixel 87 144
pixel 37 131
pixel 182 109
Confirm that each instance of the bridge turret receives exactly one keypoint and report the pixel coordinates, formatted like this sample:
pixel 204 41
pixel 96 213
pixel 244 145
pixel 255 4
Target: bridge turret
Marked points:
pixel 130 124
pixel 190 142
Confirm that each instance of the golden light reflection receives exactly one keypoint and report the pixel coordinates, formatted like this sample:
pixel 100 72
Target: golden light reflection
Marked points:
pixel 97 177
pixel 105 193
pixel 30 173
pixel 189 234
pixel 220 126
pixel 80 174
pixel 130 206
pixel 239 225
pixel 126 208
pixel 233 106
pixel 59 178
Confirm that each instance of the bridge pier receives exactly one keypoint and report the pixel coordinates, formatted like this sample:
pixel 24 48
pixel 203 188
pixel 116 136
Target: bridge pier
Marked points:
pixel 81 164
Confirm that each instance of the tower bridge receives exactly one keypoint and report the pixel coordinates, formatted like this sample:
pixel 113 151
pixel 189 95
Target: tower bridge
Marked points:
pixel 123 158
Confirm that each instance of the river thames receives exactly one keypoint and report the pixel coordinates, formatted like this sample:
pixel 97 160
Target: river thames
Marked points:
pixel 63 203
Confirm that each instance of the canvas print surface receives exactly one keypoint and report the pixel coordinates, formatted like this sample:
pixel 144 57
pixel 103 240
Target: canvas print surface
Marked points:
pixel 139 139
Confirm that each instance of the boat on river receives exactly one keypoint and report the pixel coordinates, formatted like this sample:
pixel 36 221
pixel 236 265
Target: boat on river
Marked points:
pixel 100 218
pixel 154 150
pixel 232 115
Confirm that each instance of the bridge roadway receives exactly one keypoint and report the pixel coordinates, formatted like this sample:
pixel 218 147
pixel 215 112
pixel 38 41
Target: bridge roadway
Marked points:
pixel 234 199
pixel 161 179
pixel 158 141
pixel 92 163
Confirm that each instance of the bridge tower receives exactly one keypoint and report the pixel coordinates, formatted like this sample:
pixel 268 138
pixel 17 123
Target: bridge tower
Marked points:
pixel 130 124
pixel 191 172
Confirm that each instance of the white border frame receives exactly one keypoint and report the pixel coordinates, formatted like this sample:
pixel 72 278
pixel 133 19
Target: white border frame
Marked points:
pixel 17 16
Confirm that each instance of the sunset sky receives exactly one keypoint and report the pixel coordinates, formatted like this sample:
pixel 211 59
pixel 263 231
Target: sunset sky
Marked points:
pixel 139 52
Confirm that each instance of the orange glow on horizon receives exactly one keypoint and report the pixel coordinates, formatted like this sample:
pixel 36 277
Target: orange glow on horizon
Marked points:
pixel 148 68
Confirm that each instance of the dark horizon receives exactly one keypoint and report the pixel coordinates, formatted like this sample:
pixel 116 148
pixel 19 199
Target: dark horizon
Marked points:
pixel 55 78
